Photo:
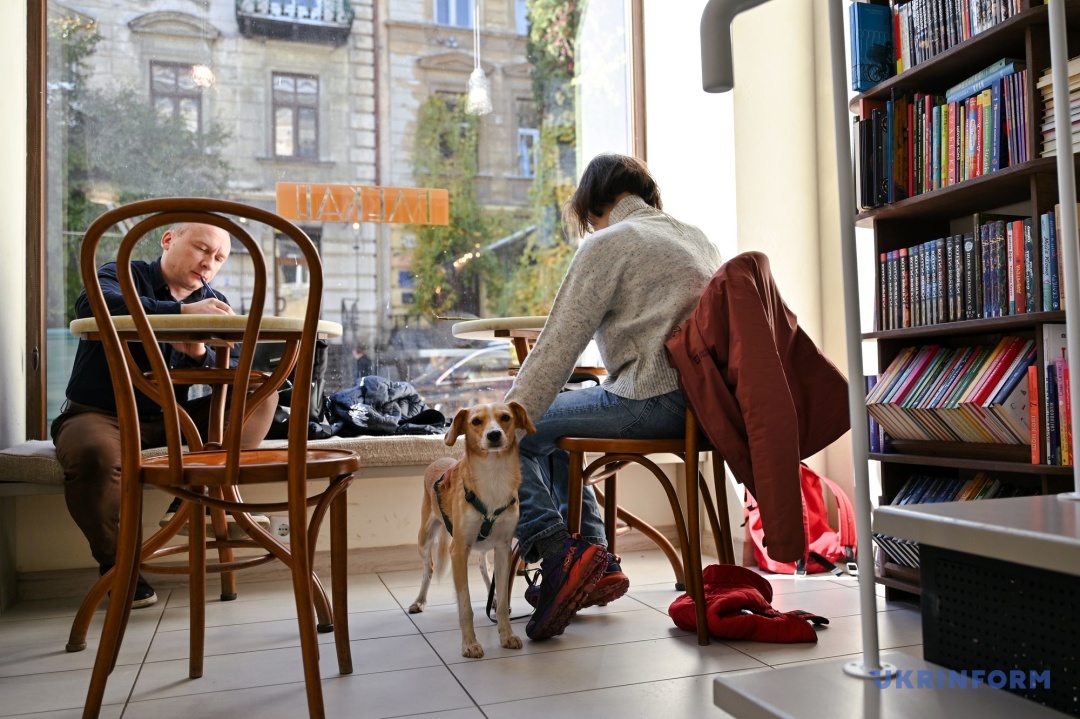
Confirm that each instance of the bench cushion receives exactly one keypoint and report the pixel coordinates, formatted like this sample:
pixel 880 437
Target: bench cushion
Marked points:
pixel 35 461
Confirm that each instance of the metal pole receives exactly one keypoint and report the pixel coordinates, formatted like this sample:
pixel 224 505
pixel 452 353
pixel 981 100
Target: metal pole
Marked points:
pixel 870 666
pixel 1059 62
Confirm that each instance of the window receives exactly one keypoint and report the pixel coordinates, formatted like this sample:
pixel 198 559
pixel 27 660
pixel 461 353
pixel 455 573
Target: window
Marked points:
pixel 528 138
pixel 521 17
pixel 296 116
pixel 174 93
pixel 458 13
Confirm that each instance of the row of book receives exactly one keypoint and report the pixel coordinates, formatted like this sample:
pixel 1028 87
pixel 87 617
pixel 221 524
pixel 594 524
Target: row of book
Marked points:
pixel 924 489
pixel 1059 447
pixel 1045 86
pixel 998 269
pixel 966 394
pixel 886 41
pixel 911 144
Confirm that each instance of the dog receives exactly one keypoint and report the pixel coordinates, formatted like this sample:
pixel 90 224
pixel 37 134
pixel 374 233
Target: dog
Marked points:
pixel 471 504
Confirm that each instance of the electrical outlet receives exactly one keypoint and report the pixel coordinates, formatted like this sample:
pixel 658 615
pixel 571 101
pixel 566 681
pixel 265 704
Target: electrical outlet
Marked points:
pixel 279 527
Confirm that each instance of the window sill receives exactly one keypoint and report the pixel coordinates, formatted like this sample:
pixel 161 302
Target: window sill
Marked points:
pixel 295 161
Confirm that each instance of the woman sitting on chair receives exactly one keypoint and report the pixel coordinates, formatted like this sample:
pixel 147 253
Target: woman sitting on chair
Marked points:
pixel 637 274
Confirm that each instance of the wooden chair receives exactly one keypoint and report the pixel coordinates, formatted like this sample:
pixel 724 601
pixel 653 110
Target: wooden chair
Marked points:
pixel 615 453
pixel 209 476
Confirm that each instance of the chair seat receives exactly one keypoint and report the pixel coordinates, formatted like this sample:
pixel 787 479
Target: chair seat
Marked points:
pixel 629 446
pixel 256 466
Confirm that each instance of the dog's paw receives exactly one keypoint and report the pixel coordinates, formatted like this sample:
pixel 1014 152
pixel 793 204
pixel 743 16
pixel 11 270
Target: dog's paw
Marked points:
pixel 473 650
pixel 416 607
pixel 511 641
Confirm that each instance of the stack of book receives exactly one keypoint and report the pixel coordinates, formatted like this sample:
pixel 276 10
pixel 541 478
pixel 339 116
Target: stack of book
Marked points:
pixel 915 143
pixel 925 28
pixel 922 489
pixel 966 394
pixel 988 272
pixel 1045 85
pixel 1059 439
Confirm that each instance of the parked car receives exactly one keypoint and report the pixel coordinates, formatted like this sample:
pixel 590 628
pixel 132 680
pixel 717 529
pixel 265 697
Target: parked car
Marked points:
pixel 478 377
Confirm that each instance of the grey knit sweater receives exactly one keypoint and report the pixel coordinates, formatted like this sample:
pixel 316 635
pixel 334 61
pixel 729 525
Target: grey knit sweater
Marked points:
pixel 627 287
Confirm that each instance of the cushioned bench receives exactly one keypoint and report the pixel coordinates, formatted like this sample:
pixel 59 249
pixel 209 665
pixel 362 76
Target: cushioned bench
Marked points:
pixel 32 467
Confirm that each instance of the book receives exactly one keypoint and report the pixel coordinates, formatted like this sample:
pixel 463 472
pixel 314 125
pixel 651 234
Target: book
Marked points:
pixel 983 74
pixel 1033 414
pixel 871 45
pixel 977 86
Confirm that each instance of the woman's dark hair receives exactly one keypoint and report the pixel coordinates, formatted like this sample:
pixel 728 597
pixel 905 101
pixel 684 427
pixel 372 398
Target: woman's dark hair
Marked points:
pixel 607 177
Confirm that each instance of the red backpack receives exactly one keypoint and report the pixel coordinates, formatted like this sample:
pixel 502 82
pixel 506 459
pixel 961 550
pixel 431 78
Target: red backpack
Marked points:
pixel 827 546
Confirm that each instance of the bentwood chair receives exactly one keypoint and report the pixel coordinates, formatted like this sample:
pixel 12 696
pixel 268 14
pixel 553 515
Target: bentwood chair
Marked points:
pixel 210 475
pixel 615 454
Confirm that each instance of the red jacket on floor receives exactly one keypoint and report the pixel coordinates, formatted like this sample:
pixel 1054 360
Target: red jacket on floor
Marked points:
pixel 737 606
pixel 763 393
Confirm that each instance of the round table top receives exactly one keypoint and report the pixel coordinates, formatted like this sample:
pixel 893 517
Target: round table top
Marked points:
pixel 484 329
pixel 207 323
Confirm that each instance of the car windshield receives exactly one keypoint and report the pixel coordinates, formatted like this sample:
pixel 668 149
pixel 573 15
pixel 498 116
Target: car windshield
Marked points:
pixel 481 375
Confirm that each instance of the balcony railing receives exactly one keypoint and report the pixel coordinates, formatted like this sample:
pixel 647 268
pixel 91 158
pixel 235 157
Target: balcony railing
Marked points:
pixel 323 21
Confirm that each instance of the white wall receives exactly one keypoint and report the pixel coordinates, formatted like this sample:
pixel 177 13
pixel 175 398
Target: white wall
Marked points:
pixel 691 134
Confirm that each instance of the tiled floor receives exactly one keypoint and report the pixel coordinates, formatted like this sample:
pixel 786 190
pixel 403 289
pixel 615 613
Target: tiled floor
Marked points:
pixel 625 660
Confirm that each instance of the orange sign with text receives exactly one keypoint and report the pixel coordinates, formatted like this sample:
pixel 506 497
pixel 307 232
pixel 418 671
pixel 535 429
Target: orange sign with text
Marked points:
pixel 305 201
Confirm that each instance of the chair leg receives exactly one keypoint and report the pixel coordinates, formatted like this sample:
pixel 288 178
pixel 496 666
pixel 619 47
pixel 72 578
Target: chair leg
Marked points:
pixel 225 554
pixel 710 511
pixel 726 542
pixel 302 590
pixel 124 576
pixel 611 510
pixel 574 493
pixel 694 576
pixel 638 524
pixel 197 582
pixel 339 541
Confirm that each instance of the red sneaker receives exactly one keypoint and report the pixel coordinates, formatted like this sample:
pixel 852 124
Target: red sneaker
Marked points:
pixel 568 578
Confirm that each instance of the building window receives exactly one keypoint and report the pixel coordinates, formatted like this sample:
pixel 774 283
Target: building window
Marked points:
pixel 174 93
pixel 296 115
pixel 521 17
pixel 458 13
pixel 528 138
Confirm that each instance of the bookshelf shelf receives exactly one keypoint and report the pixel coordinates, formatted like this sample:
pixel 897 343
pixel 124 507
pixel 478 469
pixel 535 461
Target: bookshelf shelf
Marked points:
pixel 991 325
pixel 1028 190
pixel 1013 184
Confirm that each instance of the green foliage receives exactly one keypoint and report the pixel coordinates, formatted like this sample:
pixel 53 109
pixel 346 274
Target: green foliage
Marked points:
pixel 446 266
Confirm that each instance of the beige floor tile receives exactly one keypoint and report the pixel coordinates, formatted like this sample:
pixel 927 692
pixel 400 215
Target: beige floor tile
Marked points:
pixel 54 632
pixel 831 602
pixel 366 592
pixel 113 711
pixel 686 697
pixel 34 656
pixel 587 630
pixel 574 670
pixel 60 690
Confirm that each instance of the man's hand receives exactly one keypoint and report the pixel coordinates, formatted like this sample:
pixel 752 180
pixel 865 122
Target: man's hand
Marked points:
pixel 209 306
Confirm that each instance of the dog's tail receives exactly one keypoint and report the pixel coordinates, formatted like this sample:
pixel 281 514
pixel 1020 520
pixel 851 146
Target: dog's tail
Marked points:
pixel 438 542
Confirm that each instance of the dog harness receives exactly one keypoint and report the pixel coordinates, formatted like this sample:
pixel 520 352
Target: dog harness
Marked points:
pixel 471 498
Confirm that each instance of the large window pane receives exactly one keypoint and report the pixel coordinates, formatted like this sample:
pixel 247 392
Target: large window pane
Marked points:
pixel 201 100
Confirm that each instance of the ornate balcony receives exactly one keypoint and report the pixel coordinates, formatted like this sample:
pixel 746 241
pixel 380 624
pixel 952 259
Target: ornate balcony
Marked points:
pixel 322 21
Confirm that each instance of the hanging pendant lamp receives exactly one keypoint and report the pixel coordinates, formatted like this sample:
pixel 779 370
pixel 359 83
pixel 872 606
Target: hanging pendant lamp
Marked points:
pixel 478 97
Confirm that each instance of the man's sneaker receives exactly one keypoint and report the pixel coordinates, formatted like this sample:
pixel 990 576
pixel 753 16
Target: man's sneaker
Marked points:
pixel 235 532
pixel 567 579
pixel 612 585
pixel 144 593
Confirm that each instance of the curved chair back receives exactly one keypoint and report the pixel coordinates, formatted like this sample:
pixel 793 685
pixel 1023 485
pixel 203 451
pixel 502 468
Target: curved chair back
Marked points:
pixel 127 375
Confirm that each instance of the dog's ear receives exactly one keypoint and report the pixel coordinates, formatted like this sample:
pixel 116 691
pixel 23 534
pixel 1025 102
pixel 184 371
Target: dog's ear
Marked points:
pixel 457 427
pixel 521 418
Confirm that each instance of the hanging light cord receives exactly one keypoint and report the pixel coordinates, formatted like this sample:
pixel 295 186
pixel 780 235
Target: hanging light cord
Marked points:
pixel 476 32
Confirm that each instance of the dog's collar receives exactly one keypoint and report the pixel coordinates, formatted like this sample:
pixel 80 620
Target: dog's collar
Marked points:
pixel 471 498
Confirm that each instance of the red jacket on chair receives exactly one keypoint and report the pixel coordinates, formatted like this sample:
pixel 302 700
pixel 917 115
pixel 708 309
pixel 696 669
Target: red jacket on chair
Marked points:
pixel 763 393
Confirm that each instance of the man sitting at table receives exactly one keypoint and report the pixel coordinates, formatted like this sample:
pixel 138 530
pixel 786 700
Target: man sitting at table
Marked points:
pixel 87 432
pixel 636 276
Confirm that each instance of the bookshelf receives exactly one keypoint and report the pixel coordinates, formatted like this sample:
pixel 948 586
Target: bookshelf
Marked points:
pixel 1028 188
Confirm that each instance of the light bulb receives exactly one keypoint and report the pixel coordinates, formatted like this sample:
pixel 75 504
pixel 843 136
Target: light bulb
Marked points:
pixel 478 100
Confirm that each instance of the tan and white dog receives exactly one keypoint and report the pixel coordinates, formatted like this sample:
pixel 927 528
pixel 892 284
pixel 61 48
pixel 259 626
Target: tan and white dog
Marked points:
pixel 475 500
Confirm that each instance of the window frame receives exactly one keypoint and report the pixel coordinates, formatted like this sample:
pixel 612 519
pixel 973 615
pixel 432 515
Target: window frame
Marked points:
pixel 179 95
pixel 452 19
pixel 296 108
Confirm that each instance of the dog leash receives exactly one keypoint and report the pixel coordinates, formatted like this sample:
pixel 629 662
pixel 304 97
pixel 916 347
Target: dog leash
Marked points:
pixel 491 596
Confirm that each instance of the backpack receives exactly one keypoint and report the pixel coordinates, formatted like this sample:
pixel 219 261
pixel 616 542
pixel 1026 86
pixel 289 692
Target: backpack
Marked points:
pixel 827 546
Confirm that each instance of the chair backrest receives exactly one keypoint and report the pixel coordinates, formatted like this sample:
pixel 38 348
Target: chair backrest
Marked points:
pixel 127 376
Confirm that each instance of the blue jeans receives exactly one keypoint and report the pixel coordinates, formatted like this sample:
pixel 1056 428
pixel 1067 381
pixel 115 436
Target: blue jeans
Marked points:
pixel 590 412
